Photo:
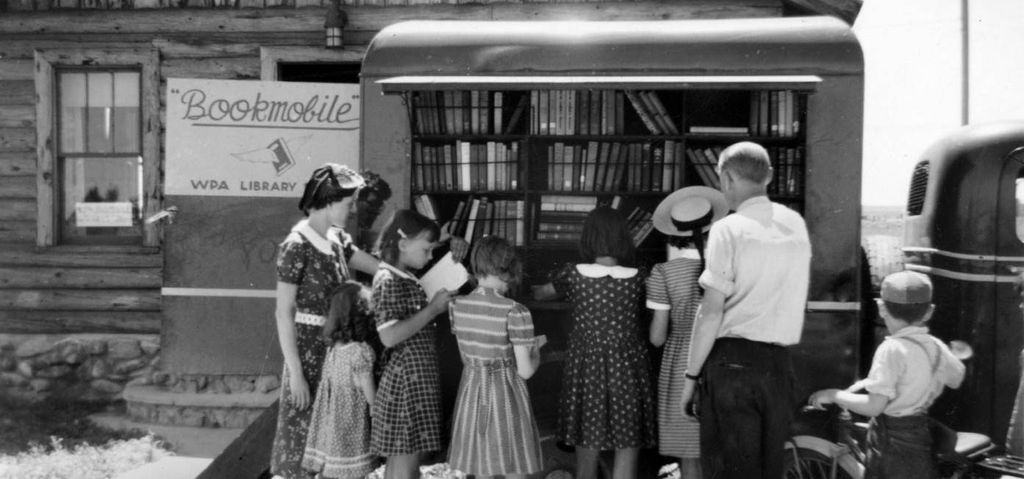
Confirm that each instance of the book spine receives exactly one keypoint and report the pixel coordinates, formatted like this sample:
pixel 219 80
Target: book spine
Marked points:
pixel 642 112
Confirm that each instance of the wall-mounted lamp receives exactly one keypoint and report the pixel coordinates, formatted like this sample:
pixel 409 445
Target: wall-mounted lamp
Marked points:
pixel 334 26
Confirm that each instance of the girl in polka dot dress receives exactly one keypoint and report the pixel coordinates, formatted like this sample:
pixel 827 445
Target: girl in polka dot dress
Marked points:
pixel 607 398
pixel 338 444
pixel 406 414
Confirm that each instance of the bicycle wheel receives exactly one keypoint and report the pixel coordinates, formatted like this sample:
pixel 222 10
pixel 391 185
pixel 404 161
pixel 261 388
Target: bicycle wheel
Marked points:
pixel 803 463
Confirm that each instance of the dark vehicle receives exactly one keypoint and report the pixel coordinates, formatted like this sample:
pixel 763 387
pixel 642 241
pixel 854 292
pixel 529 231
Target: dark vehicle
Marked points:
pixel 965 229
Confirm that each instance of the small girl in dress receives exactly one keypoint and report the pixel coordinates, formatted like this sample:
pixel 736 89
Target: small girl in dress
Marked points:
pixel 338 444
pixel 607 399
pixel 494 431
pixel 407 411
pixel 674 295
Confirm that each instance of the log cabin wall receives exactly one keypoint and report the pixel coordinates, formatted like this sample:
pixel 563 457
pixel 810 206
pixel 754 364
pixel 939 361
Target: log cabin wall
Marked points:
pixel 49 292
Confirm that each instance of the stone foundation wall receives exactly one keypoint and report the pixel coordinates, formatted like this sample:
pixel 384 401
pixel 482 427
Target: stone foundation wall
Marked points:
pixel 89 367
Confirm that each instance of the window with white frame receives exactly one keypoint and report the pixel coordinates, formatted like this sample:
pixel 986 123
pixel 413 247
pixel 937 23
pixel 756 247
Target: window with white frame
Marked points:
pixel 99 155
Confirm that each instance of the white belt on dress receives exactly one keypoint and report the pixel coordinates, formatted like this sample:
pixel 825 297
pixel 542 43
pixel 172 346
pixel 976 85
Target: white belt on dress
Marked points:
pixel 310 319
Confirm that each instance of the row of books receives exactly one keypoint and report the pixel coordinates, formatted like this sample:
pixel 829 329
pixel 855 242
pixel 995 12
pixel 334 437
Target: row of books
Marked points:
pixel 475 112
pixel 788 171
pixel 787 168
pixel 560 217
pixel 577 112
pixel 614 166
pixel 466 166
pixel 477 217
pixel 640 225
pixel 772 114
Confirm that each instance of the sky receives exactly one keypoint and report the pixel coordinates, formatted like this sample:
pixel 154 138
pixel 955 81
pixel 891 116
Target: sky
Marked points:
pixel 913 87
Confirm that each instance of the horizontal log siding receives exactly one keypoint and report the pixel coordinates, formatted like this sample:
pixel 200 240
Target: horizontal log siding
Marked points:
pixel 80 299
pixel 84 278
pixel 67 322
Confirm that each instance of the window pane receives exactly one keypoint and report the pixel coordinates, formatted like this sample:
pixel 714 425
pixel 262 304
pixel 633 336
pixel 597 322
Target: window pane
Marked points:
pixel 101 102
pixel 1019 193
pixel 102 199
pixel 126 112
pixel 72 112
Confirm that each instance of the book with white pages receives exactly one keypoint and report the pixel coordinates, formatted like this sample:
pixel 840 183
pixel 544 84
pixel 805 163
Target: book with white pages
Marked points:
pixel 445 274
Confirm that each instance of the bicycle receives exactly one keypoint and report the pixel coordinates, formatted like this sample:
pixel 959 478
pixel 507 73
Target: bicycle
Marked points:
pixel 831 446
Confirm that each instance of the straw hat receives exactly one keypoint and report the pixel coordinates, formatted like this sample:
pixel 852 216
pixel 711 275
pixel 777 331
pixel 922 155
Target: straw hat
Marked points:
pixel 690 208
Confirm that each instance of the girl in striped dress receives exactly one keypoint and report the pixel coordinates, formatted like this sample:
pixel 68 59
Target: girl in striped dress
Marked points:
pixel 494 431
pixel 406 414
pixel 673 294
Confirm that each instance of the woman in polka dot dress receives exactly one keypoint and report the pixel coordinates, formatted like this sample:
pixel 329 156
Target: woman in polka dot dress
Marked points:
pixel 607 398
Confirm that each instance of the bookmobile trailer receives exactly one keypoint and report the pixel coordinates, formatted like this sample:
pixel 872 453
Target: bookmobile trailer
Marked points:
pixel 439 97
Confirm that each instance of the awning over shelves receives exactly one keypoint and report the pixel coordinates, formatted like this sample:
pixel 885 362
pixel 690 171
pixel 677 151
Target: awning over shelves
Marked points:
pixel 526 82
pixel 794 53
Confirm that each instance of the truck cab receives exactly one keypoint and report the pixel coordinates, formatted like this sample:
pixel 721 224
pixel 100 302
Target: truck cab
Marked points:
pixel 964 228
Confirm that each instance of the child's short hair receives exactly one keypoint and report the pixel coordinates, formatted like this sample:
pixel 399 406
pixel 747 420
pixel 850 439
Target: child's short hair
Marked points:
pixel 494 255
pixel 907 295
pixel 404 224
pixel 349 318
pixel 746 159
pixel 605 234
pixel 328 184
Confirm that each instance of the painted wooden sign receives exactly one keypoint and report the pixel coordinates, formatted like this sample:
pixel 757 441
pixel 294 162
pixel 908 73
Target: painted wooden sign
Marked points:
pixel 256 139
pixel 238 157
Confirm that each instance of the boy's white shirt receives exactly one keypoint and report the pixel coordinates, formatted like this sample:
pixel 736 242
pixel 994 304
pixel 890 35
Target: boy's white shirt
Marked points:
pixel 901 371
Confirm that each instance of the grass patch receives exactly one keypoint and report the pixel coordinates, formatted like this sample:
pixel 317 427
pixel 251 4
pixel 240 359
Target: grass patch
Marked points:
pixel 55 439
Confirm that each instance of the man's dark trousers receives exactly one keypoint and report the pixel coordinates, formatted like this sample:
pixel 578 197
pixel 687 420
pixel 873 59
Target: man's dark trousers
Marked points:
pixel 746 405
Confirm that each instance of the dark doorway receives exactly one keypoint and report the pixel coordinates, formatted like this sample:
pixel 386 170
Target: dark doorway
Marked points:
pixel 319 72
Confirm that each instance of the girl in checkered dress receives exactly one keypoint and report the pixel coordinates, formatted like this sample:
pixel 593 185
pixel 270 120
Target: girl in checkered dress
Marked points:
pixel 406 415
pixel 494 431
pixel 338 444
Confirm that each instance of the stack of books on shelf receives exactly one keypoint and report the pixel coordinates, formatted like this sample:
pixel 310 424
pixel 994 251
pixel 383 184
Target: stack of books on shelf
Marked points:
pixel 705 162
pixel 477 217
pixel 640 225
pixel 561 217
pixel 577 112
pixel 473 112
pixel 787 175
pixel 466 166
pixel 774 113
pixel 652 112
pixel 614 166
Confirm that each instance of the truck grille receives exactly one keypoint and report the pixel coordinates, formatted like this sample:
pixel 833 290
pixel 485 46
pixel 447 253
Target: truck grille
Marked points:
pixel 918 187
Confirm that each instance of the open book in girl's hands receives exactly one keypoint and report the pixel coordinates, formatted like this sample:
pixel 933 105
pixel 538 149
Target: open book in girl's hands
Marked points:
pixel 446 274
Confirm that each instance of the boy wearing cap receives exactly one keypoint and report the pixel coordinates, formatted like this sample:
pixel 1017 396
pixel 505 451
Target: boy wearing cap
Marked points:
pixel 908 372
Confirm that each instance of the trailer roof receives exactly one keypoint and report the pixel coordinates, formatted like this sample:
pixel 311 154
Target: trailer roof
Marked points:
pixel 779 47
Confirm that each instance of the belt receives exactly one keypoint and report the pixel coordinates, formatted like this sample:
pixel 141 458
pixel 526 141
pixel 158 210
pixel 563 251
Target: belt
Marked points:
pixel 310 319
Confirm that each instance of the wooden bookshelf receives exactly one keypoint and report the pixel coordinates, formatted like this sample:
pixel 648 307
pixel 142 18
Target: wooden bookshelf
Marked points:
pixel 528 165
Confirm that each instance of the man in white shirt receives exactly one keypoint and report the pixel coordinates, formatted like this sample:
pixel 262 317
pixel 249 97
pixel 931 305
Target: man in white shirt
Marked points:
pixel 755 290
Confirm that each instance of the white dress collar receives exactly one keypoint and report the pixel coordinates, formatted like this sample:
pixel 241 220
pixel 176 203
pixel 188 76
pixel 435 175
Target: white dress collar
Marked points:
pixel 314 238
pixel 397 271
pixel 600 271
pixel 689 253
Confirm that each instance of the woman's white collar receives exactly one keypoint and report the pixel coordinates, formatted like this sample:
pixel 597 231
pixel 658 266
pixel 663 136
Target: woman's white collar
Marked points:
pixel 600 271
pixel 319 242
